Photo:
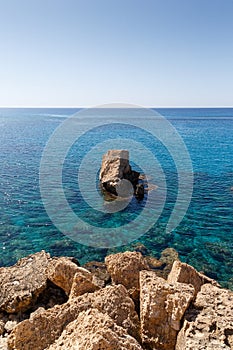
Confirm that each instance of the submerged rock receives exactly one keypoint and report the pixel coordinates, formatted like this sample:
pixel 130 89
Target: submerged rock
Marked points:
pixel 116 175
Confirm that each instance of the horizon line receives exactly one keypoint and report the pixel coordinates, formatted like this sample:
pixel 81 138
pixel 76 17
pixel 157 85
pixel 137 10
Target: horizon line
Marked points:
pixel 102 106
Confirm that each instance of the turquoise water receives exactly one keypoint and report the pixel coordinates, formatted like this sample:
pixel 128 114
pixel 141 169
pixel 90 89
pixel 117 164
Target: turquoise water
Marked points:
pixel 204 236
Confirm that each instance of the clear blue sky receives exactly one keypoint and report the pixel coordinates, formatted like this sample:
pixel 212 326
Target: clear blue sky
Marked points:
pixel 88 52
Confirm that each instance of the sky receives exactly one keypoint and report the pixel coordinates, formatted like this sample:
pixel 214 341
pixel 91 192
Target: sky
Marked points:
pixel 85 53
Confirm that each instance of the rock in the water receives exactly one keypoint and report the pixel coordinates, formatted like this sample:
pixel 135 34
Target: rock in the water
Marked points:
pixel 114 170
pixel 124 269
pixel 208 324
pixel 185 273
pixel 93 330
pixel 162 306
pixel 22 283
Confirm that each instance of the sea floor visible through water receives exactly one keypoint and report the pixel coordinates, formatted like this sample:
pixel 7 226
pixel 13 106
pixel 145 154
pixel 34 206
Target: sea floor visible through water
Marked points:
pixel 203 239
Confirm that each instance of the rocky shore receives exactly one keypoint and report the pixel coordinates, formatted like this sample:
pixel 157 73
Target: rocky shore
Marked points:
pixel 130 302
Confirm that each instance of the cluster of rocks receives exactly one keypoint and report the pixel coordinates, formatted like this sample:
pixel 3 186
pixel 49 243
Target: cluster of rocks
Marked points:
pixel 122 304
pixel 117 177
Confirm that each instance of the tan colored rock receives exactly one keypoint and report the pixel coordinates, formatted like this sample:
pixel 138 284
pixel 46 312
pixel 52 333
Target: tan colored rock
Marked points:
pixel 2 327
pixel 83 283
pixel 42 329
pixel 168 256
pixel 21 284
pixel 99 271
pixel 209 323
pixel 124 269
pixel 162 306
pixel 115 167
pixel 185 273
pixel 93 330
pixel 3 343
pixel 61 272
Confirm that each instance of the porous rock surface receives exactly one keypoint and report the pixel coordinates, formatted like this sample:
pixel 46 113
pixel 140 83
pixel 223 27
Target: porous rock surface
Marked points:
pixel 69 307
pixel 43 328
pixel 162 306
pixel 185 273
pixel 21 284
pixel 124 269
pixel 94 330
pixel 208 324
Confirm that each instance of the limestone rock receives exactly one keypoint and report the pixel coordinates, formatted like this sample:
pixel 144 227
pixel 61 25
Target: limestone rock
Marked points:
pixel 168 256
pixel 93 330
pixel 99 271
pixel 162 306
pixel 3 343
pixel 115 167
pixel 43 328
pixel 124 269
pixel 185 273
pixel 21 284
pixel 61 272
pixel 83 283
pixel 209 323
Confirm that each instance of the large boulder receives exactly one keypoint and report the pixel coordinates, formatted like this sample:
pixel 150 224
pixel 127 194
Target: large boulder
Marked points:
pixel 61 272
pixel 208 324
pixel 184 273
pixel 114 170
pixel 21 284
pixel 94 330
pixel 43 328
pixel 162 306
pixel 124 269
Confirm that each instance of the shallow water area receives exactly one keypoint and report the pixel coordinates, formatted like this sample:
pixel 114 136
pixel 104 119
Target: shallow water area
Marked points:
pixel 204 236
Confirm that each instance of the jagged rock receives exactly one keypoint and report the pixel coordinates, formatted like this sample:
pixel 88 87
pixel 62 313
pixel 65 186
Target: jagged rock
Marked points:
pixel 93 330
pixel 185 273
pixel 2 327
pixel 83 283
pixel 168 256
pixel 42 329
pixel 21 284
pixel 208 324
pixel 61 272
pixel 115 167
pixel 98 270
pixel 3 343
pixel 162 306
pixel 124 269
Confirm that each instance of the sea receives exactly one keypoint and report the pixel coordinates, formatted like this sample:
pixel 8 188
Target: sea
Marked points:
pixel 203 232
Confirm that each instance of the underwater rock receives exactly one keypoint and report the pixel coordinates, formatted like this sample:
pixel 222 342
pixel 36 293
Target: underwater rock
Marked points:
pixel 114 170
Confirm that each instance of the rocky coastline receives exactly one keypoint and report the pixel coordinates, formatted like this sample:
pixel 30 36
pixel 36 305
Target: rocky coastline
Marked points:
pixel 131 301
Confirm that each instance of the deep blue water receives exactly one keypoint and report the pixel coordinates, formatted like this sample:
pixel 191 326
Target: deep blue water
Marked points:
pixel 204 238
